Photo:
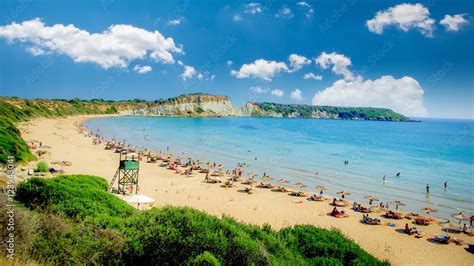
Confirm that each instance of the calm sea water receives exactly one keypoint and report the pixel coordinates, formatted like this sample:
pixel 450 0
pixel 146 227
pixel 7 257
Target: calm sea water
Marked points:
pixel 430 152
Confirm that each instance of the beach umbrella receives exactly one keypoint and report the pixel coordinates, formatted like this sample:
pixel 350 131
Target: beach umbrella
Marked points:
pixel 398 203
pixel 321 188
pixel 461 217
pixel 343 193
pixel 371 198
pixel 139 199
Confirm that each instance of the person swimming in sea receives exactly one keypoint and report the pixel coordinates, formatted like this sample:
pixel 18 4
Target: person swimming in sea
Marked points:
pixel 427 188
pixel 445 184
pixel 398 174
pixel 384 178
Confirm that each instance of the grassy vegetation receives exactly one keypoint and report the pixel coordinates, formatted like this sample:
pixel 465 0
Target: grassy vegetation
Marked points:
pixel 42 167
pixel 73 220
pixel 363 113
pixel 11 142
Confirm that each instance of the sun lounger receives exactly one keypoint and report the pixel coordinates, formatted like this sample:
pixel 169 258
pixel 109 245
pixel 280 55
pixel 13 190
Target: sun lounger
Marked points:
pixel 298 194
pixel 442 239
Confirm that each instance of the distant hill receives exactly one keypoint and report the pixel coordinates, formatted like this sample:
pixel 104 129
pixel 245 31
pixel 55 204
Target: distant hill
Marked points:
pixel 327 112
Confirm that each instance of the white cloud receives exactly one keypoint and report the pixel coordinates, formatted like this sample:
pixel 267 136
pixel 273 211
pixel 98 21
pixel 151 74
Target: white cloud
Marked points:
pixel 304 4
pixel 308 7
pixel 296 95
pixel 277 93
pixel 142 69
pixel 405 17
pixel 339 62
pixel 213 77
pixel 261 69
pixel 36 51
pixel 298 61
pixel 230 62
pixel 114 47
pixel 174 22
pixel 189 72
pixel 237 18
pixel 453 23
pixel 284 13
pixel 259 90
pixel 403 95
pixel 253 8
pixel 312 76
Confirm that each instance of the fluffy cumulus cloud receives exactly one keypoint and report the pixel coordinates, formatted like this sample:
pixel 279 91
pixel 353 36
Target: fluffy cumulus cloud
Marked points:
pixel 405 17
pixel 253 8
pixel 296 95
pixel 189 72
pixel 277 93
pixel 339 63
pixel 284 13
pixel 453 23
pixel 114 47
pixel 403 95
pixel 142 69
pixel 261 69
pixel 312 76
pixel 298 61
pixel 259 90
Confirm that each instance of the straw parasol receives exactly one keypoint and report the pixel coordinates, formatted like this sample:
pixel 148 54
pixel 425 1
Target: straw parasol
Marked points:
pixel 461 217
pixel 321 188
pixel 371 198
pixel 343 193
pixel 398 203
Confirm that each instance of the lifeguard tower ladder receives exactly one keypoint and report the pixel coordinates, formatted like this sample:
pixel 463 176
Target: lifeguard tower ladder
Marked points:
pixel 127 174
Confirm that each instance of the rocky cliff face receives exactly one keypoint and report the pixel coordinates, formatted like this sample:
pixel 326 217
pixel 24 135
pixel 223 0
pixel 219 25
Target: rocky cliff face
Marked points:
pixel 194 105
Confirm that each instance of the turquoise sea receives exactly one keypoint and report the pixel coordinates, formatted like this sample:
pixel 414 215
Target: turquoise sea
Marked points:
pixel 428 152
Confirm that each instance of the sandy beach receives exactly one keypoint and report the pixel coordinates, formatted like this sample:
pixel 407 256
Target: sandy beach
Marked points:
pixel 264 206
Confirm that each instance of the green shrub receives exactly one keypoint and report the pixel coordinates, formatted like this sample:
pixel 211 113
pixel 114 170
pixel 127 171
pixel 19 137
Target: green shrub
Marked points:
pixel 81 223
pixel 206 259
pixel 42 167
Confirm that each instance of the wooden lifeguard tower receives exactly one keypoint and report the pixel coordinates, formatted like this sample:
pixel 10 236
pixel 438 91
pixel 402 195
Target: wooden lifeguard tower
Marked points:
pixel 127 174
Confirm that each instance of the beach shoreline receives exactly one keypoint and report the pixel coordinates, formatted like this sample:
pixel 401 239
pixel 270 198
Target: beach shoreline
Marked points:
pixel 265 206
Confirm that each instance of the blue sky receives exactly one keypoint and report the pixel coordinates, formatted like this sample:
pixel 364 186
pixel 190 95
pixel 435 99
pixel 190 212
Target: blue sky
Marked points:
pixel 405 55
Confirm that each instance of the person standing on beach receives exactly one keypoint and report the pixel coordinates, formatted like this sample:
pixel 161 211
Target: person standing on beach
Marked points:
pixel 427 188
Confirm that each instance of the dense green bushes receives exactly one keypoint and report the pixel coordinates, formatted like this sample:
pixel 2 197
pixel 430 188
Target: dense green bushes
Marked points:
pixel 363 113
pixel 78 222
